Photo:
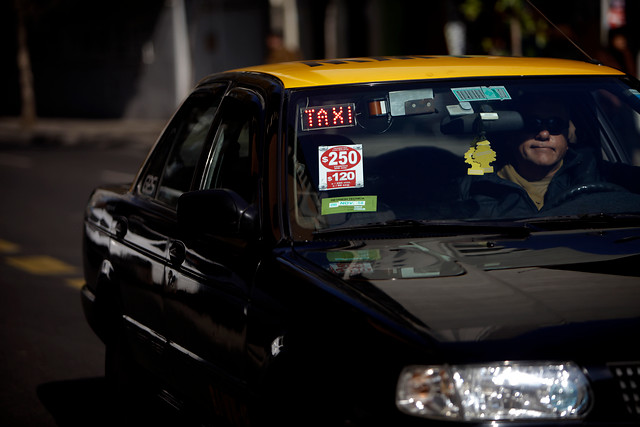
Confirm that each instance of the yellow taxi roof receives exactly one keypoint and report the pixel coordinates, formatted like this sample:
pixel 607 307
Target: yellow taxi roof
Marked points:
pixel 378 69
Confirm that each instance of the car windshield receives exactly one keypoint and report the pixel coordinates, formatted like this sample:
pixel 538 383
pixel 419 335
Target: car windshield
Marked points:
pixel 472 151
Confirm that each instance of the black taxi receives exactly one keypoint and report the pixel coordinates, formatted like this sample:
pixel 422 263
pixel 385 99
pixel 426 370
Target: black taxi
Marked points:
pixel 381 241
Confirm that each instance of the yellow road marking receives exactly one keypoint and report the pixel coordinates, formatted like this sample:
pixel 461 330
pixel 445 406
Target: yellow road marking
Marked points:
pixel 76 283
pixel 40 264
pixel 8 247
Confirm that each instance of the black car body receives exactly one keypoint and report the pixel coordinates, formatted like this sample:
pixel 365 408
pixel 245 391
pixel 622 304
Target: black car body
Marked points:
pixel 263 271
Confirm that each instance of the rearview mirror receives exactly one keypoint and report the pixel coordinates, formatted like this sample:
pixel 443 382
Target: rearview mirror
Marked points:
pixel 494 121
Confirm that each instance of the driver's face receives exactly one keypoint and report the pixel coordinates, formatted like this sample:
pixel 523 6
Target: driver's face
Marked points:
pixel 544 142
pixel 543 148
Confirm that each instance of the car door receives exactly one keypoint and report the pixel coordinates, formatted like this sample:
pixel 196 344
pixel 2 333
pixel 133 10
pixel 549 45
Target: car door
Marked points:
pixel 208 278
pixel 147 220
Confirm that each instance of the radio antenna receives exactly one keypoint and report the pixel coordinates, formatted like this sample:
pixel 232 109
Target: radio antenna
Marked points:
pixel 595 61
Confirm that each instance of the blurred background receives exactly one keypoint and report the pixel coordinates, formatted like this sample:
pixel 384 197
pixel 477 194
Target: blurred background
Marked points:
pixel 87 85
pixel 138 59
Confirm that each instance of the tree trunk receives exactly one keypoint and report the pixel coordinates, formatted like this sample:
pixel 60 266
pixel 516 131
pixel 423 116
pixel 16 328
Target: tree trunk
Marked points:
pixel 27 95
pixel 516 37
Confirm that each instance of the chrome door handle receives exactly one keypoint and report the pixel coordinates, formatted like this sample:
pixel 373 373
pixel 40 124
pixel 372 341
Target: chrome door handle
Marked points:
pixel 177 252
pixel 171 281
pixel 120 227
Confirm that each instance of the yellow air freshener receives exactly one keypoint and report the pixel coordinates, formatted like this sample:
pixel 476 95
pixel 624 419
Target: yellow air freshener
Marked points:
pixel 479 157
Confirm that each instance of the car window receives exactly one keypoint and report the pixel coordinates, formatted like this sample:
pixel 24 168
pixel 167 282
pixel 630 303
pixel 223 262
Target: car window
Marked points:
pixel 622 122
pixel 171 166
pixel 231 163
pixel 454 151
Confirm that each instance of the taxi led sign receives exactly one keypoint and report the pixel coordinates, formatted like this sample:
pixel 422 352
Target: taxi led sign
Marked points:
pixel 328 116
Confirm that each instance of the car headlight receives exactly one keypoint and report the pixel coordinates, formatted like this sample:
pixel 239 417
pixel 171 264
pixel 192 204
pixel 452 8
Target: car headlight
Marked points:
pixel 498 391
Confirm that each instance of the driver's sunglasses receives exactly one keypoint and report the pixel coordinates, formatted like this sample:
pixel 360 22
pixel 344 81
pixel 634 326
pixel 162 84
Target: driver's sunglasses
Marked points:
pixel 555 125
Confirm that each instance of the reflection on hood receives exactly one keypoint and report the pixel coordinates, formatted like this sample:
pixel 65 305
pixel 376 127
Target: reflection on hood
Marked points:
pixel 476 287
pixel 452 256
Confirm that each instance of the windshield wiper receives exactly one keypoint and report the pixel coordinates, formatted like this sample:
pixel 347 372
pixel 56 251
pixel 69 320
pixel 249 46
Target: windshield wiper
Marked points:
pixel 592 220
pixel 413 227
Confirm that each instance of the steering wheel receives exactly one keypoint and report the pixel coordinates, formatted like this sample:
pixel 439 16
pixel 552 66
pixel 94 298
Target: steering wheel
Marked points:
pixel 582 189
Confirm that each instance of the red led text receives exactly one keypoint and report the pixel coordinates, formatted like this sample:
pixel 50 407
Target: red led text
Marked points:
pixel 327 116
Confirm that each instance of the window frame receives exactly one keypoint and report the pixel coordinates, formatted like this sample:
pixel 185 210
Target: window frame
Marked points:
pixel 165 146
pixel 213 161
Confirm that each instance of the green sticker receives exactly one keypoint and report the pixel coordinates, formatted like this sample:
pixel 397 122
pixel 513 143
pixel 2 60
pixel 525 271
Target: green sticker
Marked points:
pixel 334 205
pixel 352 256
pixel 481 93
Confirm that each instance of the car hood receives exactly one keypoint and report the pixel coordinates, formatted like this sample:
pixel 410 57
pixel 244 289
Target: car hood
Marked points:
pixel 477 288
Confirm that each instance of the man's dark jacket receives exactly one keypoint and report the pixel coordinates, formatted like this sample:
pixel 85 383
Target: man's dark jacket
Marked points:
pixel 494 197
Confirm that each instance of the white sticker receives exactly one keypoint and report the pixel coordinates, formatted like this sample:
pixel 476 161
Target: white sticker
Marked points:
pixel 149 185
pixel 340 167
pixel 348 269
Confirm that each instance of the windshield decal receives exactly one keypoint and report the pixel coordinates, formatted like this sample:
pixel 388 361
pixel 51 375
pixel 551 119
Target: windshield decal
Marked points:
pixel 334 205
pixel 408 102
pixel 481 93
pixel 461 109
pixel 340 167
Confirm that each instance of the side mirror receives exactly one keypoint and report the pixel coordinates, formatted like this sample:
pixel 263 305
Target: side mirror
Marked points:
pixel 218 212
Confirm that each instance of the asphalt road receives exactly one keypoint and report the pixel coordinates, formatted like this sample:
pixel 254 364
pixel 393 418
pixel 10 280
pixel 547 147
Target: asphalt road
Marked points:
pixel 51 363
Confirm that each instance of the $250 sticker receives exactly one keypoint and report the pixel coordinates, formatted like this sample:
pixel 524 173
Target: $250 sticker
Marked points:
pixel 340 166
